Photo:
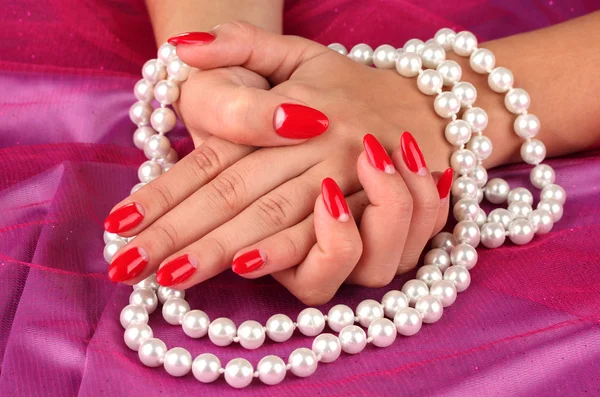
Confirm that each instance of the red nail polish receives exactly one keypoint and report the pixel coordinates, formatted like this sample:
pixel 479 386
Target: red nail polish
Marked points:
pixel 124 218
pixel 413 158
pixel 128 265
pixel 377 155
pixel 248 262
pixel 445 183
pixel 334 200
pixel 197 38
pixel 299 121
pixel 176 271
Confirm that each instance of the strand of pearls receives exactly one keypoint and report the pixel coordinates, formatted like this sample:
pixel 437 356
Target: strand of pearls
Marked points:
pixel 447 264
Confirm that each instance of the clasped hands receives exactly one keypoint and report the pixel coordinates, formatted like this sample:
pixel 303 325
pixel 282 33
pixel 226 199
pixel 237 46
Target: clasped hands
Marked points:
pixel 302 170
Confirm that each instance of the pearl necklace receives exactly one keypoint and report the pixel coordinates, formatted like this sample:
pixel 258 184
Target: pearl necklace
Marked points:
pixel 447 264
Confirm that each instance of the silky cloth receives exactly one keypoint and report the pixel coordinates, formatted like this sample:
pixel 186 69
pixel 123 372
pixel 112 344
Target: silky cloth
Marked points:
pixel 528 325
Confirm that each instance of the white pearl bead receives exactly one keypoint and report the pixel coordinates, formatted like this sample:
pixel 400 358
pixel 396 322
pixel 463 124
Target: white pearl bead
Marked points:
pixel 141 135
pixel 414 289
pixel 492 235
pixel 481 146
pixel 153 71
pixel 464 43
pixel 195 323
pixel 555 192
pixel 148 282
pixel 171 158
pixel 393 301
pixel 165 52
pixel 177 362
pixel 251 334
pixel 463 161
pixel 111 249
pixel 413 45
pixel 166 92
pixel 339 316
pixel 133 314
pixel 337 47
pixel 368 311
pixel 533 151
pixel 144 297
pixel 178 70
pixel 431 308
pixel 542 175
pixel 443 240
pixel 271 370
pixel 151 352
pixel 384 57
pixel 465 209
pixel 157 146
pixel 137 187
pixel 467 232
pixel 479 199
pixel 439 256
pixel 501 80
pixel 519 209
pixel 174 309
pixel 408 64
pixel 541 220
pixel 554 207
pixel 481 217
pixel 303 362
pixel 446 104
pixel 450 71
pixel 520 194
pixel 163 120
pixel 148 171
pixel 501 216
pixel 445 38
pixel 279 327
pixel 459 276
pixel 482 61
pixel 362 53
pixel 496 190
pixel 221 331
pixel 464 255
pixel 206 368
pixel 429 274
pixel 527 125
pixel 135 334
pixel 457 132
pixel 408 321
pixel 166 293
pixel 477 118
pixel 328 347
pixel 353 339
pixel 382 332
pixel 480 175
pixel 144 91
pixel 140 113
pixel 466 93
pixel 311 321
pixel 108 237
pixel 520 231
pixel 445 291
pixel 432 55
pixel 430 82
pixel 517 100
pixel 239 373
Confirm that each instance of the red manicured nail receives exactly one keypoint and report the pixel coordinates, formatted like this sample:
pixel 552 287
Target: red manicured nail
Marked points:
pixel 128 265
pixel 413 158
pixel 197 38
pixel 377 155
pixel 334 200
pixel 249 262
pixel 445 183
pixel 124 218
pixel 176 271
pixel 299 121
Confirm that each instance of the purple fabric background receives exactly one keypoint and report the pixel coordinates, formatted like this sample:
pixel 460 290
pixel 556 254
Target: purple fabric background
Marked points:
pixel 529 324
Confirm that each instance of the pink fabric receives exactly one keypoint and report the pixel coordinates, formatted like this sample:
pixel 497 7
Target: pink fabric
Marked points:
pixel 527 326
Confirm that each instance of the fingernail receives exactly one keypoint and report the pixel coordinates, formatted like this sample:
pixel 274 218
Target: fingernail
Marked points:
pixel 177 271
pixel 445 183
pixel 377 155
pixel 128 265
pixel 197 38
pixel 334 200
pixel 249 261
pixel 299 121
pixel 413 158
pixel 124 218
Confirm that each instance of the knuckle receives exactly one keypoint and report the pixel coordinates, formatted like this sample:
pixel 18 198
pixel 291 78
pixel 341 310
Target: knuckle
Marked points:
pixel 274 210
pixel 161 197
pixel 166 232
pixel 207 162
pixel 346 251
pixel 408 262
pixel 216 248
pixel 290 247
pixel 228 188
pixel 314 296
